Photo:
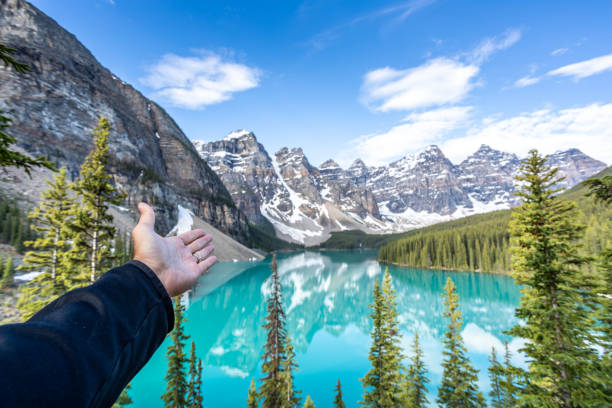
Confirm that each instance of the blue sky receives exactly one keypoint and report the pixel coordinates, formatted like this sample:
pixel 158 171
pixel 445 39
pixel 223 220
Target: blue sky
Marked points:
pixel 376 80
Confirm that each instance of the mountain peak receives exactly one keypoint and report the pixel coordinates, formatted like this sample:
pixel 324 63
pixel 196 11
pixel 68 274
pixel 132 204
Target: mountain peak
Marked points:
pixel 237 134
pixel 329 164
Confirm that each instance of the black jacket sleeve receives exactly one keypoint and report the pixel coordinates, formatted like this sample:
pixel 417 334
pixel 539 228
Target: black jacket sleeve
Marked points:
pixel 82 349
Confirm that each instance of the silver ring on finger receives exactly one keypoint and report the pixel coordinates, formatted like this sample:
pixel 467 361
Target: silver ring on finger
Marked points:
pixel 198 257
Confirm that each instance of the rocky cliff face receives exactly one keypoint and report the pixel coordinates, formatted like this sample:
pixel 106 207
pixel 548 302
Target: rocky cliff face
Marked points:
pixel 55 107
pixel 296 200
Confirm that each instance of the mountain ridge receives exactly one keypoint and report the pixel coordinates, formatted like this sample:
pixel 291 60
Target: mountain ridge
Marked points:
pixel 414 191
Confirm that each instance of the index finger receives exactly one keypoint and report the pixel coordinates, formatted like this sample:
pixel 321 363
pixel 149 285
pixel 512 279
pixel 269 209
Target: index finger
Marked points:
pixel 190 236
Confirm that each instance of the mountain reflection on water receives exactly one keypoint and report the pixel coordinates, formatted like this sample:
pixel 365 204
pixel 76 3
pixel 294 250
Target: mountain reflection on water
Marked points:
pixel 326 296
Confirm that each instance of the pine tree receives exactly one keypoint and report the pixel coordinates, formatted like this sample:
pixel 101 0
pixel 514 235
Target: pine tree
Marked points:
pixel 601 190
pixel 253 397
pixel 558 298
pixel 176 381
pixel 289 366
pixel 459 379
pixel 92 230
pixel 124 398
pixel 8 273
pixel 10 157
pixel 416 380
pixel 272 388
pixel 338 401
pixel 194 374
pixel 508 384
pixel 384 382
pixel 495 376
pixel 48 251
pixel 308 403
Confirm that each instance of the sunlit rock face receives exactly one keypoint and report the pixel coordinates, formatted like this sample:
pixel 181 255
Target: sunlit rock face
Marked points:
pixel 286 194
pixel 55 106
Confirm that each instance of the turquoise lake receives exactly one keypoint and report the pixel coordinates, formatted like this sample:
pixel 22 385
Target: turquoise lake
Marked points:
pixel 326 297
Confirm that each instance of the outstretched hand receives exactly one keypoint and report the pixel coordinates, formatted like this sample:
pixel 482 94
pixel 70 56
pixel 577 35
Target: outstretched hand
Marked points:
pixel 172 259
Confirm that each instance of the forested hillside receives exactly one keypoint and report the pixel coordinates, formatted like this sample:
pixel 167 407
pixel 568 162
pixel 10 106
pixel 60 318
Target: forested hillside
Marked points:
pixel 481 242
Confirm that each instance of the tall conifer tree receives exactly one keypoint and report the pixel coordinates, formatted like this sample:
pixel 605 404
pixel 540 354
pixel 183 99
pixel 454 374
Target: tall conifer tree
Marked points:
pixel 124 398
pixel 495 377
pixel 289 366
pixel 49 250
pixel 383 384
pixel 508 384
pixel 8 273
pixel 416 380
pixel 176 378
pixel 92 230
pixel 338 401
pixel 557 302
pixel 194 375
pixel 253 396
pixel 272 388
pixel 459 386
pixel 309 403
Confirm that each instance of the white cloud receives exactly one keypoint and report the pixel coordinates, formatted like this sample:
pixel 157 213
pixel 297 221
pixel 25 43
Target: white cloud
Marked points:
pixel 526 81
pixel 195 82
pixel 586 68
pixel 588 128
pixel 437 82
pixel 559 51
pixel 578 70
pixel 493 44
pixel 414 133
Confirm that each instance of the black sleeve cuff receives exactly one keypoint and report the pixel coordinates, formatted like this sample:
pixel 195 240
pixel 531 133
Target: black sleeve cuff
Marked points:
pixel 159 288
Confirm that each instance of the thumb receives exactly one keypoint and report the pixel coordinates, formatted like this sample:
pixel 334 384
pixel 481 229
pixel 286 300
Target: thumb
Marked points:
pixel 147 215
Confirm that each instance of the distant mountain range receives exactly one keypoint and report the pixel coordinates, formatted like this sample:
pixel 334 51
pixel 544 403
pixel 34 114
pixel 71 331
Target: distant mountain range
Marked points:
pixel 304 203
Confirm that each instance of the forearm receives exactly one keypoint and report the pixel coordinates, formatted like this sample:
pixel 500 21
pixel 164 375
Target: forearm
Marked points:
pixel 82 349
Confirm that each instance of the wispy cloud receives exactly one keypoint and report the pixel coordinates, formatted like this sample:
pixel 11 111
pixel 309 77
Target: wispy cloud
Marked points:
pixel 398 12
pixel 559 51
pixel 437 82
pixel 198 81
pixel 577 71
pixel 526 81
pixel 491 45
pixel 586 68
pixel 111 2
pixel 416 131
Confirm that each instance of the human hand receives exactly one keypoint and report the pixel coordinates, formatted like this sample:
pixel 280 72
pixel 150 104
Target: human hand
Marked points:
pixel 172 259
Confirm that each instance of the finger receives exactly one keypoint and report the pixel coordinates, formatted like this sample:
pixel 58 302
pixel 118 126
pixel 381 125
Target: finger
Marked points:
pixel 189 236
pixel 199 243
pixel 206 264
pixel 204 253
pixel 147 215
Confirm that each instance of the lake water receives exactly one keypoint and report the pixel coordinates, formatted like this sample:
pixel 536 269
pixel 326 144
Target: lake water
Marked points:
pixel 326 297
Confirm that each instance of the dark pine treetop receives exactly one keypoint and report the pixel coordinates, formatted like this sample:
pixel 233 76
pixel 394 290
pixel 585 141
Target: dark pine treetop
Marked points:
pixel 416 379
pixel 176 378
pixel 272 388
pixel 338 401
pixel 10 157
pixel 459 386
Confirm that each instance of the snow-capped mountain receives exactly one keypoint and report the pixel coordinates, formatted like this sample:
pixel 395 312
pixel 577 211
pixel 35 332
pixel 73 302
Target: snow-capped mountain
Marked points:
pixel 286 194
pixel 303 203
